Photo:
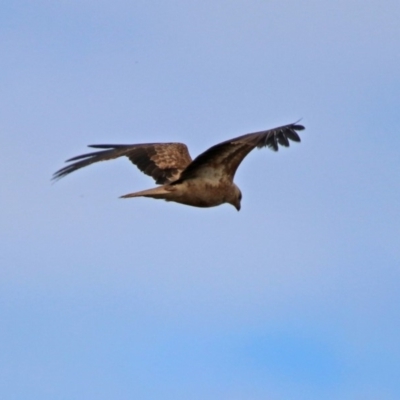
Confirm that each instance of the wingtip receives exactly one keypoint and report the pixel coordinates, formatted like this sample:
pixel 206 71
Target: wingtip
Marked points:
pixel 298 126
pixel 56 176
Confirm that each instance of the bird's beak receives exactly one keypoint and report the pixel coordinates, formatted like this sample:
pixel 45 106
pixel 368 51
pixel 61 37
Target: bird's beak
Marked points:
pixel 237 206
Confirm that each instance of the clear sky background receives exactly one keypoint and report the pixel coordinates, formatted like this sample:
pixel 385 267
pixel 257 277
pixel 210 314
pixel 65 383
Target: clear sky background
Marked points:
pixel 297 296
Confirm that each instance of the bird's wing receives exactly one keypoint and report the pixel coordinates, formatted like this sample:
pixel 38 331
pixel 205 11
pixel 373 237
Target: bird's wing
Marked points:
pixel 223 159
pixel 162 161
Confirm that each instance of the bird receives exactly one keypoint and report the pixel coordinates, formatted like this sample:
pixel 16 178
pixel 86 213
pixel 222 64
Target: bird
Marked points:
pixel 206 181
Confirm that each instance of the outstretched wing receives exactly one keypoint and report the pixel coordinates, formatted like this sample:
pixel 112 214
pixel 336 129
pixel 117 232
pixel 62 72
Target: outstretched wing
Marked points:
pixel 222 160
pixel 162 161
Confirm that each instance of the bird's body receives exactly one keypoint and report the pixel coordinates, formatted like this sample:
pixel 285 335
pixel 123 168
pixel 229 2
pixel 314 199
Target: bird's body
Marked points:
pixel 206 181
pixel 191 193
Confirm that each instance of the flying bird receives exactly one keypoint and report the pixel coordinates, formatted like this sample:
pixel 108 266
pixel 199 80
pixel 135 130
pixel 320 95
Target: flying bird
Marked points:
pixel 206 181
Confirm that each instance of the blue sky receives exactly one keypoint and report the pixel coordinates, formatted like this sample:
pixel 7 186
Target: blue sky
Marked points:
pixel 294 297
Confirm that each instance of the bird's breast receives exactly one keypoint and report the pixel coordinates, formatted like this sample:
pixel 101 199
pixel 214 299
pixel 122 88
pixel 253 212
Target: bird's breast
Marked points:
pixel 202 193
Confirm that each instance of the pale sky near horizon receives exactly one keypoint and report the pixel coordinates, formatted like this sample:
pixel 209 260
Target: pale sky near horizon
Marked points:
pixel 295 297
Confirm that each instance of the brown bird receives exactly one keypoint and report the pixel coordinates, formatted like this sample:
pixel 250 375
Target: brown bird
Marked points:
pixel 206 181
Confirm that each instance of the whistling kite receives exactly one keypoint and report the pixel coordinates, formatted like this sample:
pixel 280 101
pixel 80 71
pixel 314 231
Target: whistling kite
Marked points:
pixel 206 181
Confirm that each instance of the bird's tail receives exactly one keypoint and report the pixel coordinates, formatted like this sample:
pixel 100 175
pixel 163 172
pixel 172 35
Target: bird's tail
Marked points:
pixel 160 192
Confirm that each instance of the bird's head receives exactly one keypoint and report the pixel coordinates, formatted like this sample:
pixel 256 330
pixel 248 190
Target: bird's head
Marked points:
pixel 236 197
